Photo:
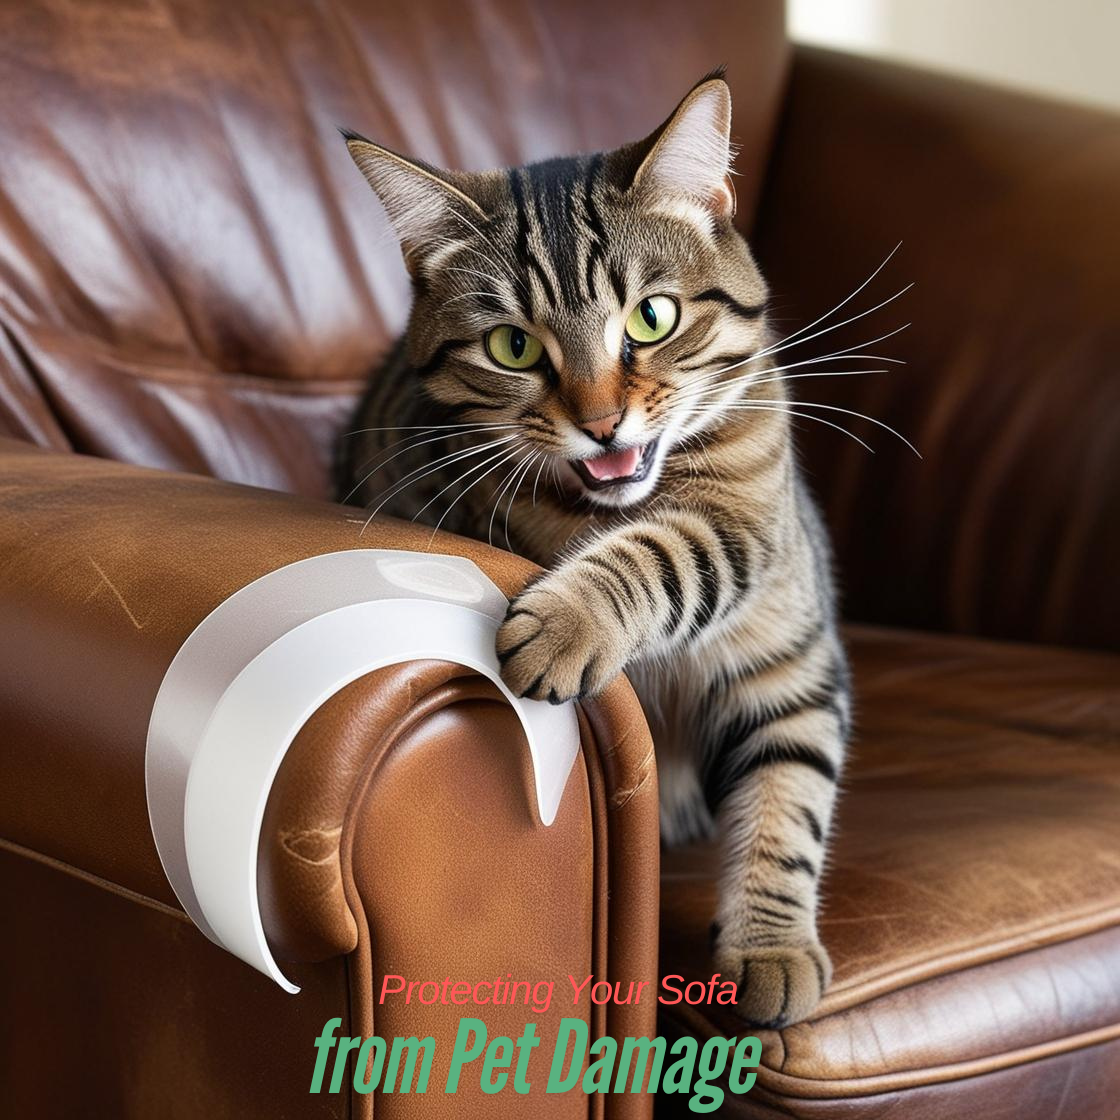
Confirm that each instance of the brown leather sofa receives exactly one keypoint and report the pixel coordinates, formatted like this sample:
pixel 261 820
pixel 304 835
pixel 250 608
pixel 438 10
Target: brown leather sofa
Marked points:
pixel 194 279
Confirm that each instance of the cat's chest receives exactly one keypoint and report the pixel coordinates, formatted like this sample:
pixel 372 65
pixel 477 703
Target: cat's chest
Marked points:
pixel 674 688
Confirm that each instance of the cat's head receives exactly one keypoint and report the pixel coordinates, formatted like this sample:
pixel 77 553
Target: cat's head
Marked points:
pixel 585 302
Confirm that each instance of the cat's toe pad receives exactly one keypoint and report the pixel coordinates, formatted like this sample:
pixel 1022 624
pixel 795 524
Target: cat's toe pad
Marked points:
pixel 778 985
pixel 547 649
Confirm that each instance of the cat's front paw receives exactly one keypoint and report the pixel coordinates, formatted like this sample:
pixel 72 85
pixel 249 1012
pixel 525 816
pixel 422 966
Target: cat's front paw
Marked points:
pixel 778 985
pixel 551 647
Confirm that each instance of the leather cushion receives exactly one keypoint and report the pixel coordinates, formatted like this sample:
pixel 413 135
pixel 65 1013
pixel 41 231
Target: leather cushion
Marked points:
pixel 973 901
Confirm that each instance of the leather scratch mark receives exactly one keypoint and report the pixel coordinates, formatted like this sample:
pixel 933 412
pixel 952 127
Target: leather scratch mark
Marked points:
pixel 623 797
pixel 312 845
pixel 117 595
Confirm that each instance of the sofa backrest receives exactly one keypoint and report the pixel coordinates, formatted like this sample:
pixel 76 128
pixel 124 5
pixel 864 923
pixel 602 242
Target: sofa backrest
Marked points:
pixel 193 275
pixel 1004 208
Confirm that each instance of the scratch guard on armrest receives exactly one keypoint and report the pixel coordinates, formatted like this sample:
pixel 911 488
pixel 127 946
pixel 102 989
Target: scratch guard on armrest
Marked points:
pixel 253 672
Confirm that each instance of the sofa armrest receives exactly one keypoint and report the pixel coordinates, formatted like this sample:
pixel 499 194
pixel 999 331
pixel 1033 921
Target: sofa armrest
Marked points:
pixel 1005 206
pixel 104 571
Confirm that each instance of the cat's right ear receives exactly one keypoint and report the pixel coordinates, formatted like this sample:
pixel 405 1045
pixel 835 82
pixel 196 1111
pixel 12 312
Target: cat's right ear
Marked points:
pixel 690 155
pixel 422 202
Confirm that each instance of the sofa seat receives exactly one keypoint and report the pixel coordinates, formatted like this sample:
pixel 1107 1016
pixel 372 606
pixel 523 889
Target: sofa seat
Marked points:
pixel 973 896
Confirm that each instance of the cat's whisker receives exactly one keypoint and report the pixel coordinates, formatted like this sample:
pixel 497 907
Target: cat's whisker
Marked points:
pixel 416 475
pixel 705 396
pixel 831 356
pixel 819 373
pixel 420 436
pixel 506 456
pixel 500 493
pixel 469 295
pixel 418 442
pixel 747 405
pixel 834 355
pixel 861 416
pixel 433 435
pixel 470 225
pixel 466 474
pixel 380 451
pixel 513 495
pixel 846 352
pixel 846 300
pixel 767 376
pixel 473 272
pixel 464 247
pixel 706 380
pixel 756 407
pixel 537 480
pixel 458 454
pixel 364 478
pixel 786 344
pixel 425 427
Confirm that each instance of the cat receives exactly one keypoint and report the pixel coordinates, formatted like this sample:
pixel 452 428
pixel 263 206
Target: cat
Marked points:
pixel 587 371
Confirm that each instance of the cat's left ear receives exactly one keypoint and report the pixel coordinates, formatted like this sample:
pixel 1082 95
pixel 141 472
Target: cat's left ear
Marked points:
pixel 689 157
pixel 426 206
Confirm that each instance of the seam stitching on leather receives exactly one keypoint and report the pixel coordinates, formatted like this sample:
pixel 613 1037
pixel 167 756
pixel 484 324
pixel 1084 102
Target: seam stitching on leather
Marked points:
pixel 955 1071
pixel 1025 940
pixel 784 1085
pixel 94 880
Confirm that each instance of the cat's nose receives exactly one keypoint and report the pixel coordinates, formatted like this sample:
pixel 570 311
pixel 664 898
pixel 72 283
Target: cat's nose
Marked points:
pixel 602 429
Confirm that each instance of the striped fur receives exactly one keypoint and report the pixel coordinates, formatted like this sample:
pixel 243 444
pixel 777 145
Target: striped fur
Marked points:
pixel 708 579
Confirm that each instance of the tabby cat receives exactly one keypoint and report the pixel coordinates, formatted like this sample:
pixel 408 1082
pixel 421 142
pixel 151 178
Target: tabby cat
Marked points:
pixel 586 375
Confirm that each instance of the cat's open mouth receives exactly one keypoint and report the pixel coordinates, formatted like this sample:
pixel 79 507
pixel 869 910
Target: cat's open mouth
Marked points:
pixel 616 468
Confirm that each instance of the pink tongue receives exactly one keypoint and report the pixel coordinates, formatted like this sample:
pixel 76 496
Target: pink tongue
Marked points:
pixel 619 464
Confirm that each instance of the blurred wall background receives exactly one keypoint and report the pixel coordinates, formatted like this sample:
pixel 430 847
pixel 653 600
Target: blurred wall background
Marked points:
pixel 1064 48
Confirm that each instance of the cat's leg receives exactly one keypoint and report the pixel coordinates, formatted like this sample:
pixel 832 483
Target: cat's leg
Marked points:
pixel 666 688
pixel 643 589
pixel 777 789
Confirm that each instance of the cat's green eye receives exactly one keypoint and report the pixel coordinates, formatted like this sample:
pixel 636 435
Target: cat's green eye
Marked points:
pixel 513 348
pixel 652 320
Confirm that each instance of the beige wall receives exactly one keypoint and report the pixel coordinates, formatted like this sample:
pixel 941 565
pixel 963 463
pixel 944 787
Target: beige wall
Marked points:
pixel 1065 48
